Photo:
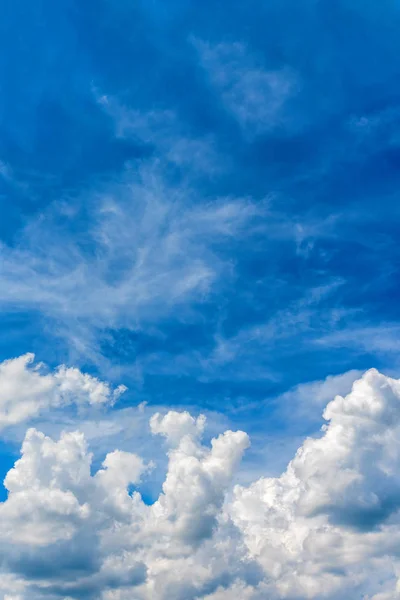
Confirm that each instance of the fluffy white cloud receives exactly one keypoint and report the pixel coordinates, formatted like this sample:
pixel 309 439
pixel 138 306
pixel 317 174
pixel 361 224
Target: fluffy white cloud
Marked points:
pixel 333 514
pixel 56 506
pixel 328 527
pixel 174 426
pixel 42 507
pixel 27 390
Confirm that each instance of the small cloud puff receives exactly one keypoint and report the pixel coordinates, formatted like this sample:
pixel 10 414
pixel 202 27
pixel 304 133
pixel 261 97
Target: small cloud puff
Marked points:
pixel 174 426
pixel 26 390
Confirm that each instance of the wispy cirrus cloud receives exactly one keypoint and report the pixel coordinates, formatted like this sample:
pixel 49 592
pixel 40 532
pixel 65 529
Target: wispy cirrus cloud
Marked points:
pixel 147 249
pixel 142 248
pixel 382 340
pixel 255 95
pixel 162 131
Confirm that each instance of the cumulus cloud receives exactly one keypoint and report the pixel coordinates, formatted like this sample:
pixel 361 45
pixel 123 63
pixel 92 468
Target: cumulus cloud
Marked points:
pixel 174 425
pixel 56 506
pixel 26 389
pixel 335 508
pixel 328 527
pixel 303 401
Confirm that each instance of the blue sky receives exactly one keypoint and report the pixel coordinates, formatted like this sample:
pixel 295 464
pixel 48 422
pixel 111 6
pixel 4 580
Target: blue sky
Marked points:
pixel 262 139
pixel 199 201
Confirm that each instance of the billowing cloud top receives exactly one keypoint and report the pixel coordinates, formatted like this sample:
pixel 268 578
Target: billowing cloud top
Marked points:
pixel 328 527
pixel 25 391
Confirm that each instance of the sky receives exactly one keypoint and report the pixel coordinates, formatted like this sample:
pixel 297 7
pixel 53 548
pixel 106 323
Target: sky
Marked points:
pixel 199 283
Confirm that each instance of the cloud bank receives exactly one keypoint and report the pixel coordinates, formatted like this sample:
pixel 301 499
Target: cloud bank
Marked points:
pixel 327 527
pixel 27 390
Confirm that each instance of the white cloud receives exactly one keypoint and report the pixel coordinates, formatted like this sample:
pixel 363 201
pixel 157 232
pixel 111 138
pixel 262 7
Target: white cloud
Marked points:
pixel 328 527
pixel 303 401
pixel 320 392
pixel 26 390
pixel 41 507
pixel 333 513
pixel 163 129
pixel 246 354
pixel 382 339
pixel 151 250
pixel 174 426
pixel 254 95
pixel 238 591
pixel 53 500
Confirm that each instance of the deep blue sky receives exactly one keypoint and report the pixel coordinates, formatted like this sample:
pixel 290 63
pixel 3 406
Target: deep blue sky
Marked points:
pixel 201 202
